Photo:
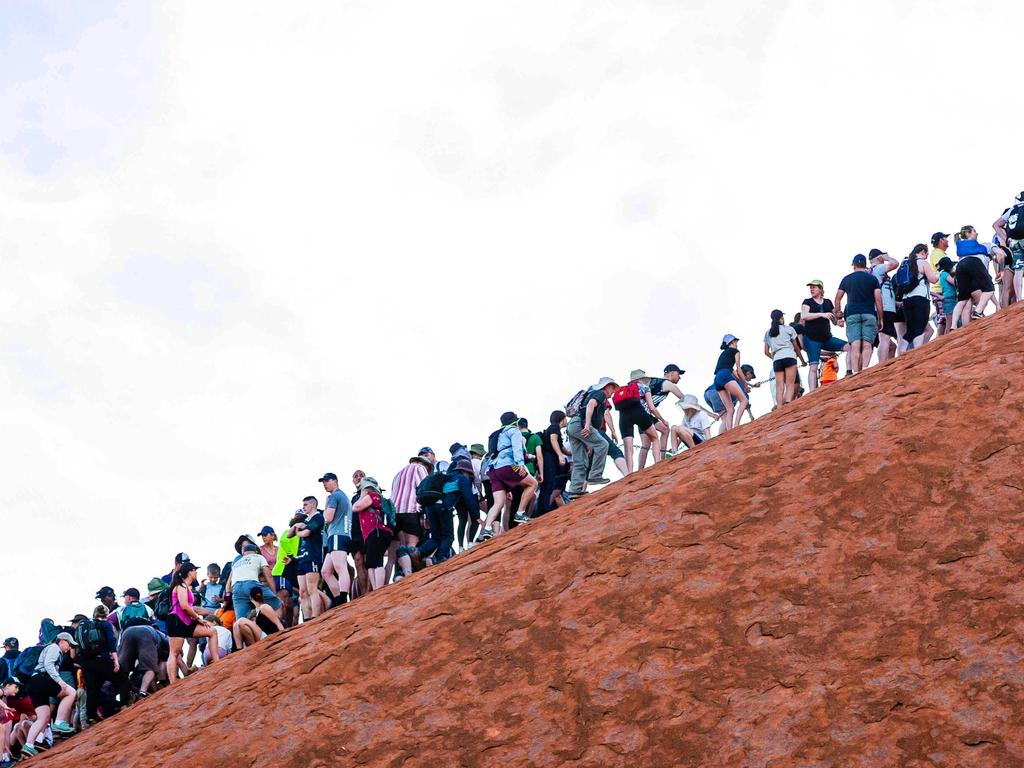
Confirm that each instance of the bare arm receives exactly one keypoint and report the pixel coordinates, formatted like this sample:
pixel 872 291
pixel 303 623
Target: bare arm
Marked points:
pixel 926 269
pixel 271 614
pixel 364 501
pixel 839 301
pixel 999 225
pixel 878 306
pixel 650 404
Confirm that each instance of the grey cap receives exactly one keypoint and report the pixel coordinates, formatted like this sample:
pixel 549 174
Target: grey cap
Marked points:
pixel 65 636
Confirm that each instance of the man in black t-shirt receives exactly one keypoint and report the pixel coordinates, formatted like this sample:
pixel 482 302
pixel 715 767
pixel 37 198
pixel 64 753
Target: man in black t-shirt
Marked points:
pixel 660 390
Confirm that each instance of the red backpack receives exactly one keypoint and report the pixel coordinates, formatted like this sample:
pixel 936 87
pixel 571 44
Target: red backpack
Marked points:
pixel 626 394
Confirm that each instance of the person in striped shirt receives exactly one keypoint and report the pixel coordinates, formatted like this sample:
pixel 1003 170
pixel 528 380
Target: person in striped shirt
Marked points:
pixel 403 496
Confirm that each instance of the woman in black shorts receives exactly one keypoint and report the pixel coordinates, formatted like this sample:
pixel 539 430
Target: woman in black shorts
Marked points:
pixel 917 302
pixel 780 344
pixel 637 413
pixel 974 284
pixel 376 534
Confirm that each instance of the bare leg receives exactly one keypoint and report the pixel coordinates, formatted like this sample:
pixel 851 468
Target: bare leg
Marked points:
pixel 628 442
pixel 790 379
pixel 389 568
pixel 312 584
pixel 812 377
pixel 495 510
pixel 651 437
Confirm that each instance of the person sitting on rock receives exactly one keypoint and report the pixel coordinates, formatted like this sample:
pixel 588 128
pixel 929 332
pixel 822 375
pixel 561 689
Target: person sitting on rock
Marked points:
pixel 261 621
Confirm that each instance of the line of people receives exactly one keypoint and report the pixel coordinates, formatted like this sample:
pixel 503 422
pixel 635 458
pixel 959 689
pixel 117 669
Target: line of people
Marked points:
pixel 357 543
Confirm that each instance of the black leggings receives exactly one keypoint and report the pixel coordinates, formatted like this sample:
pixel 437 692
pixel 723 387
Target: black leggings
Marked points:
pixel 916 310
pixel 467 518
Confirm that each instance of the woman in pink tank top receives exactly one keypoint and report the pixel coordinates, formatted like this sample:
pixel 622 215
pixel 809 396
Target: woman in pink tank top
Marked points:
pixel 183 622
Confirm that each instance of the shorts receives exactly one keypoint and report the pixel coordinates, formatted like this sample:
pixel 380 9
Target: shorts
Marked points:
pixel 948 305
pixel 409 523
pixel 862 327
pixel 834 344
pixel 972 276
pixel 41 688
pixel 376 546
pixel 714 400
pixel 917 309
pixel 634 417
pixel 780 365
pixel 308 564
pixel 1017 251
pixel 505 479
pixel 178 628
pixel 339 543
pixel 722 377
pixel 889 324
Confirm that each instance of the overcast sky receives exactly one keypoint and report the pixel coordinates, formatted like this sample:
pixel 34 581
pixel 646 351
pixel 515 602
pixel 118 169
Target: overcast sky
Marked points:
pixel 242 244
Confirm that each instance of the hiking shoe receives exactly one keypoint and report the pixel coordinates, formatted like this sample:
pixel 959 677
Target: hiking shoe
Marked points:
pixel 28 749
pixel 63 728
pixel 599 481
pixel 6 763
pixel 520 518
pixel 579 495
pixel 485 534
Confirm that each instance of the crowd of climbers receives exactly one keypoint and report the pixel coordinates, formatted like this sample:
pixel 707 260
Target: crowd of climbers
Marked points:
pixel 359 541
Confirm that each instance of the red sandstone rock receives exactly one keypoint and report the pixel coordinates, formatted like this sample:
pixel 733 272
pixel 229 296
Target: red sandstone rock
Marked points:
pixel 837 584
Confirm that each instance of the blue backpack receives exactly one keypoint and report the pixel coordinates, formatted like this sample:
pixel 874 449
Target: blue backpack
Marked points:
pixel 906 278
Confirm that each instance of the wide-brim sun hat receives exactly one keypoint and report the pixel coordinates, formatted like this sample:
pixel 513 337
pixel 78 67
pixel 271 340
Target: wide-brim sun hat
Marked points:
pixel 638 373
pixel 368 482
pixel 689 403
pixel 604 381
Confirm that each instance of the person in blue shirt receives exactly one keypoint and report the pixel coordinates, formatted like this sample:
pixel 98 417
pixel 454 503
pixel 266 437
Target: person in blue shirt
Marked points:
pixel 508 472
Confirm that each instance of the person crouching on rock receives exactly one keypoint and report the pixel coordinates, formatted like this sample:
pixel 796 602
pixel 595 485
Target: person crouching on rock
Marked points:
pixel 261 621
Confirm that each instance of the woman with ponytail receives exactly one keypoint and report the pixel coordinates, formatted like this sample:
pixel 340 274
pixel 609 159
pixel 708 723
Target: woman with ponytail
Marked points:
pixel 780 345
pixel 973 282
pixel 728 375
pixel 917 301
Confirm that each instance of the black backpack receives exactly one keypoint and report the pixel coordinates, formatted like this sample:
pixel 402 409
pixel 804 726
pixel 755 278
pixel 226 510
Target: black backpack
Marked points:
pixel 162 606
pixel 432 489
pixel 24 666
pixel 1015 222
pixel 90 639
pixel 492 443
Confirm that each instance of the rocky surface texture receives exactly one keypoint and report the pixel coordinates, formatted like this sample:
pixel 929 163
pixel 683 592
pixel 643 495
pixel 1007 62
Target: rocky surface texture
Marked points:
pixel 838 584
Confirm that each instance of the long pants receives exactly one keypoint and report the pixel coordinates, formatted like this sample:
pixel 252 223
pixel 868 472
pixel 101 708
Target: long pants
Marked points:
pixel 579 445
pixel 442 532
pixel 96 672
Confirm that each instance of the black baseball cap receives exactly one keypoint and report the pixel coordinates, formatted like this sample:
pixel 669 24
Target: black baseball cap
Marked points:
pixel 508 417
pixel 78 617
pixel 131 592
pixel 748 368
pixel 860 260
pixel 938 236
pixel 874 253
pixel 327 476
pixel 181 557
pixel 673 368
pixel 11 642
pixel 11 681
pixel 105 592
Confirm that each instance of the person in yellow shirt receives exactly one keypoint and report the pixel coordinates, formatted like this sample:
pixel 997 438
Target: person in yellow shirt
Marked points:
pixel 940 243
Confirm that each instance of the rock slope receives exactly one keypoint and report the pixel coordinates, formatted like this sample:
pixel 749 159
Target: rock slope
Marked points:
pixel 837 584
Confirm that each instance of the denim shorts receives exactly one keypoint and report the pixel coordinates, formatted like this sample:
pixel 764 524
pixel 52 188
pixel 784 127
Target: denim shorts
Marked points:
pixel 813 348
pixel 723 377
pixel 862 327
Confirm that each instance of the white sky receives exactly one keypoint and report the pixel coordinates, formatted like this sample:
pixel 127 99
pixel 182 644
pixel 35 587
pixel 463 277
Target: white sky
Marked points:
pixel 243 243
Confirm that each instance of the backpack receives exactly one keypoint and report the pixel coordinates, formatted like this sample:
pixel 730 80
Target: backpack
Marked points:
pixel 432 489
pixel 1015 222
pixel 162 606
pixel 133 615
pixel 492 443
pixel 575 403
pixel 89 637
pixel 906 278
pixel 627 394
pixel 388 510
pixel 24 665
